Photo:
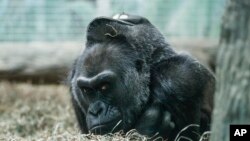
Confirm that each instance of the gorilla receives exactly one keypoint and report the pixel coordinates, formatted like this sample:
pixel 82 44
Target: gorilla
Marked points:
pixel 128 77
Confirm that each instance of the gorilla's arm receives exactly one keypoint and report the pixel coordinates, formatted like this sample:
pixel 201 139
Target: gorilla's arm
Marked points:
pixel 177 89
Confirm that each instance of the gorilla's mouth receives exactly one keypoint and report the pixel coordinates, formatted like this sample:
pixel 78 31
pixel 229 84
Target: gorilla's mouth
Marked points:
pixel 107 127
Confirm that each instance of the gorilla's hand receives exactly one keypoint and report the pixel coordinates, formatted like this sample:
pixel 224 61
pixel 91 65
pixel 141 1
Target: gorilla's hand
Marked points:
pixel 155 120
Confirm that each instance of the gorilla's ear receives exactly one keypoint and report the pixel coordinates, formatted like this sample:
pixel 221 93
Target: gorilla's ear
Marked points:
pixel 104 28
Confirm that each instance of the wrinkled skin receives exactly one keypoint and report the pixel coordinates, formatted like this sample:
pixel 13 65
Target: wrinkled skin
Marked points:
pixel 128 77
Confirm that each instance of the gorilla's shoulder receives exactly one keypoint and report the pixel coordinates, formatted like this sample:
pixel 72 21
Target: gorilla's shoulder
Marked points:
pixel 179 64
pixel 179 75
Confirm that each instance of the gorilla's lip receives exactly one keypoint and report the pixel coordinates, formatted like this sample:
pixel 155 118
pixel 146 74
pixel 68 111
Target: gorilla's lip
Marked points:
pixel 110 125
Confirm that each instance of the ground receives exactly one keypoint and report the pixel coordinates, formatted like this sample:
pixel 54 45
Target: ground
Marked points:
pixel 42 112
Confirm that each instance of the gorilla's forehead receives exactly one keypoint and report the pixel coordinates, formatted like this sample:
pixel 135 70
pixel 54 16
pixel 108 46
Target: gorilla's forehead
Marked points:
pixel 100 57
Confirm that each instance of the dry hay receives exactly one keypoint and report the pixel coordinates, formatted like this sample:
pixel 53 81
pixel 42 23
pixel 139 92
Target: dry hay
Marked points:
pixel 44 113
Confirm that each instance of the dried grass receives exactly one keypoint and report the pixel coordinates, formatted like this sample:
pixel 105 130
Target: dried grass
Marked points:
pixel 44 113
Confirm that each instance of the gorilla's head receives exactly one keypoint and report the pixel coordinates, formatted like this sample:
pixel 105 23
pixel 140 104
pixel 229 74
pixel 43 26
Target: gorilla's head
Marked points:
pixel 128 77
pixel 111 84
pixel 110 79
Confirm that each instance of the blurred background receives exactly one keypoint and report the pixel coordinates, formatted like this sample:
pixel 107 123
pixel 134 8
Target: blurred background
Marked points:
pixel 39 39
pixel 66 20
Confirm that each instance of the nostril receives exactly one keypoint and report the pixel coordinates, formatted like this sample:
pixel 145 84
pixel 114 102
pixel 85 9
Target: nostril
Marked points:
pixel 97 108
pixel 96 112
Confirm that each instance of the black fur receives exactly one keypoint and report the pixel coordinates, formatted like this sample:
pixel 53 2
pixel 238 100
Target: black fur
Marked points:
pixel 128 72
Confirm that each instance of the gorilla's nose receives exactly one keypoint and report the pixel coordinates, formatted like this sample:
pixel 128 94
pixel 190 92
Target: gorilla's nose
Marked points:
pixel 98 108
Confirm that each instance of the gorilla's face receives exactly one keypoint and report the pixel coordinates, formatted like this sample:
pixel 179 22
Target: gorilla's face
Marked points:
pixel 110 85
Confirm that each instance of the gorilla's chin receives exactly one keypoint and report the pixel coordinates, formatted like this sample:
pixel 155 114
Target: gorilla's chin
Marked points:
pixel 104 128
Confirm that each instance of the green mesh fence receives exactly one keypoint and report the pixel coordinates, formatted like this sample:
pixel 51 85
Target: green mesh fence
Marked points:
pixel 66 20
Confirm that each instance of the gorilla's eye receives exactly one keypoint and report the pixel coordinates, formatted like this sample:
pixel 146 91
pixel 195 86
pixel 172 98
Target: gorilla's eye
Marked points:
pixel 86 90
pixel 104 87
